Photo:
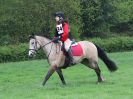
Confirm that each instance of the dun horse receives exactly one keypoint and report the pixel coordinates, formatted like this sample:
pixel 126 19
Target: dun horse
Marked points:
pixel 58 61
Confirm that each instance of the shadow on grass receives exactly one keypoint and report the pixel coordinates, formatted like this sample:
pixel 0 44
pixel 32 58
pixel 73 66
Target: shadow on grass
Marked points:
pixel 59 85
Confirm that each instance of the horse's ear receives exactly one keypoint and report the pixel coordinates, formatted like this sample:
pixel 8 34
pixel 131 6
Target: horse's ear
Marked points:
pixel 32 36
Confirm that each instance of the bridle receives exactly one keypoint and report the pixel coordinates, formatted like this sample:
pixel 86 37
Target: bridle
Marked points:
pixel 35 47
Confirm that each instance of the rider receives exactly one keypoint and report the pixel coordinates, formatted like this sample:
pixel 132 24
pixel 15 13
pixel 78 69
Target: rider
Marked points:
pixel 63 32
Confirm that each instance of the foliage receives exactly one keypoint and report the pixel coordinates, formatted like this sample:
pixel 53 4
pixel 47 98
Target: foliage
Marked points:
pixel 125 28
pixel 18 18
pixel 20 52
pixel 116 44
pixel 89 18
pixel 95 16
pixel 16 53
pixel 123 19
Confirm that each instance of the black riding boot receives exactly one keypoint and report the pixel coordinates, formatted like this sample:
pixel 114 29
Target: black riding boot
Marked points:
pixel 70 56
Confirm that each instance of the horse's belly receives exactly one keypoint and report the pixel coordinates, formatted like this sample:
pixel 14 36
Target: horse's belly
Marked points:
pixel 78 59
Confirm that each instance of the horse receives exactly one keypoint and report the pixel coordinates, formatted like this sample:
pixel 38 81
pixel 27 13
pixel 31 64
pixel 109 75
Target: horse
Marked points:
pixel 58 60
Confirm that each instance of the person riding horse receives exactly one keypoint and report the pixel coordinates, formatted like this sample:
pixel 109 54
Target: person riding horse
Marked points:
pixel 57 60
pixel 63 34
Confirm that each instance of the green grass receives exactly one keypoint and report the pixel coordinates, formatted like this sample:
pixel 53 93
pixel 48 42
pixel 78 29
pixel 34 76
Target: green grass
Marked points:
pixel 22 80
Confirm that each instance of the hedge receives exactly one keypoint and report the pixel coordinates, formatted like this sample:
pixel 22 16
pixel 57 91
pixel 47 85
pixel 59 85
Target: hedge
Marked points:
pixel 116 44
pixel 20 52
pixel 16 53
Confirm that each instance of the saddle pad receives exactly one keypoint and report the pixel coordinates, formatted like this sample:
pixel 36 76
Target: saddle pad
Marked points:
pixel 77 50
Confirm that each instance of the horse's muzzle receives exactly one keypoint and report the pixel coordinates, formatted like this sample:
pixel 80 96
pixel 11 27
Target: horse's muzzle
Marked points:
pixel 32 54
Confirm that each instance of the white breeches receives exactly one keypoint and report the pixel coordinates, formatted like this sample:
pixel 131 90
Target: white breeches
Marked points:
pixel 67 44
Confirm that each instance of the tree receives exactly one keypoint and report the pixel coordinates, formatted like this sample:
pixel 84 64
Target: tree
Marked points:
pixel 95 16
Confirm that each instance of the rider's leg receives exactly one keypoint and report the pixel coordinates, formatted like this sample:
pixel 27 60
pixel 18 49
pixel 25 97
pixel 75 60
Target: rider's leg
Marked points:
pixel 67 45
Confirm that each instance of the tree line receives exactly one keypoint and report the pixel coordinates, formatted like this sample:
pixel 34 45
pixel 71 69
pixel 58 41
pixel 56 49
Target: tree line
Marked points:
pixel 87 18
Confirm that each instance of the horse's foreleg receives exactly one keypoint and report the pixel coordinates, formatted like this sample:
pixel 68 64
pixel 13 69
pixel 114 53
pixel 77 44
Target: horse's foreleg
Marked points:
pixel 58 67
pixel 49 73
pixel 59 71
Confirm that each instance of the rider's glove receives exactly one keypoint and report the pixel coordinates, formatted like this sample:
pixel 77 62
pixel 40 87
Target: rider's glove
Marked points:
pixel 56 39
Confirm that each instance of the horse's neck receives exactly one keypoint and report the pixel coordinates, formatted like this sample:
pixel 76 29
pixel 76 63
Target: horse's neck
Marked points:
pixel 48 48
pixel 43 40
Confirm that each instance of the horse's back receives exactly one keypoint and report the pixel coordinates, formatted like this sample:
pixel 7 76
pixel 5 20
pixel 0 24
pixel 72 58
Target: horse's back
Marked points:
pixel 89 50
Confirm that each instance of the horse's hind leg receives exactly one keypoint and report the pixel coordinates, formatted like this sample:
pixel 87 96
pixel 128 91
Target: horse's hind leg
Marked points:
pixel 98 71
pixel 93 65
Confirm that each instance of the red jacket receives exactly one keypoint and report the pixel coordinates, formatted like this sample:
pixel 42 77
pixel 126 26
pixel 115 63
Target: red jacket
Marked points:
pixel 63 31
pixel 66 32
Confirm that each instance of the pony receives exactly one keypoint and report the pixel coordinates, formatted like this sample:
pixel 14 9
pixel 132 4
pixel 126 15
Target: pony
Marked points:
pixel 58 60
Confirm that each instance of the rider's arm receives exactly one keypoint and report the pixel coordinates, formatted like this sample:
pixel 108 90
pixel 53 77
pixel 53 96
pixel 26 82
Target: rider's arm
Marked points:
pixel 56 33
pixel 66 32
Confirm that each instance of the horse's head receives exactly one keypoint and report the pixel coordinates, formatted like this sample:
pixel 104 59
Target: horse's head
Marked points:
pixel 33 46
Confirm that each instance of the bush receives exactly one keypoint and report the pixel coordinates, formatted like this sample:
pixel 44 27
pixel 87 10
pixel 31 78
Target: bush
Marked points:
pixel 16 53
pixel 20 52
pixel 115 44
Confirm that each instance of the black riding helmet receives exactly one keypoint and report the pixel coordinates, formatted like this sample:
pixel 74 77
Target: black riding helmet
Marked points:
pixel 60 15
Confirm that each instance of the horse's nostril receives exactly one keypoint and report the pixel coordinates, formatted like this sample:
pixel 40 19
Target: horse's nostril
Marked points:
pixel 30 54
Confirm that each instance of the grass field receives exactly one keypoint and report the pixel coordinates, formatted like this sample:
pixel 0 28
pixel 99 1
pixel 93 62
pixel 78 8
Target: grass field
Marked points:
pixel 22 80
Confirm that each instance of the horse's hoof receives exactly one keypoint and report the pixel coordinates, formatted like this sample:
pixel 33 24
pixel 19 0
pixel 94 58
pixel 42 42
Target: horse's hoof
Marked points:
pixel 97 83
pixel 64 83
pixel 100 80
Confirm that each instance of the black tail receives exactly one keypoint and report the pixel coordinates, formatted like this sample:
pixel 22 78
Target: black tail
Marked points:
pixel 109 63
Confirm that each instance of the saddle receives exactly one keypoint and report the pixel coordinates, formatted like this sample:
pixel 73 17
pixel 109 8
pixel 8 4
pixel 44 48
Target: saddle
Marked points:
pixel 75 49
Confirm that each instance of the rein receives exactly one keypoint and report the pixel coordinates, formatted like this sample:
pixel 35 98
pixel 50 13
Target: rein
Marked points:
pixel 50 49
pixel 45 44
